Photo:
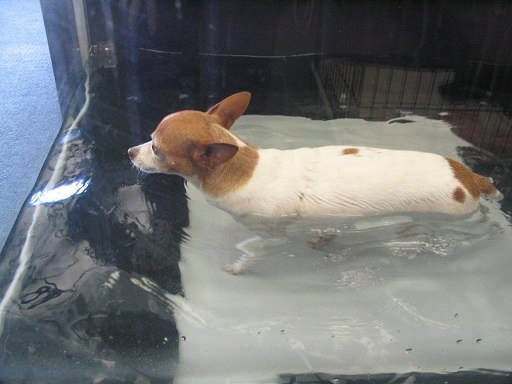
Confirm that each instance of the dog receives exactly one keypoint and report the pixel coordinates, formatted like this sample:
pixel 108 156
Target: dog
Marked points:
pixel 345 181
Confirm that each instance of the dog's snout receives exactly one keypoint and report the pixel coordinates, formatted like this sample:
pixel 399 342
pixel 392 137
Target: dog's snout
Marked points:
pixel 132 152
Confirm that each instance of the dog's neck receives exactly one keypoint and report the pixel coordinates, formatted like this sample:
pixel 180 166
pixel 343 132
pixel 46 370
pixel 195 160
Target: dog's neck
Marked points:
pixel 229 176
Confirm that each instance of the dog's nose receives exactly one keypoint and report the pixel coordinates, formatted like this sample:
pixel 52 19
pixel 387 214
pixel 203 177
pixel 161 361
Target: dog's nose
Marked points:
pixel 132 152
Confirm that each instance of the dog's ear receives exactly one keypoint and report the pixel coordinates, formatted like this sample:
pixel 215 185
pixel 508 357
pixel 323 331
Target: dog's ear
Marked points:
pixel 210 156
pixel 231 108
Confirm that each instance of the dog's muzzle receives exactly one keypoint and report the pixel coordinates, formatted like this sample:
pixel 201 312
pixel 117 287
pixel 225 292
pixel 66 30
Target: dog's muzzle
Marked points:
pixel 133 152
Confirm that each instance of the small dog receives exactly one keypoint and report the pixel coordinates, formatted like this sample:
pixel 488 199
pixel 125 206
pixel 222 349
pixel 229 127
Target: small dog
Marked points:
pixel 305 182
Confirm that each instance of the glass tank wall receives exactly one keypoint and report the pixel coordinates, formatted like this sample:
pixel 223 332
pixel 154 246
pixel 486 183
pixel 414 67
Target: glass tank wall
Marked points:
pixel 114 276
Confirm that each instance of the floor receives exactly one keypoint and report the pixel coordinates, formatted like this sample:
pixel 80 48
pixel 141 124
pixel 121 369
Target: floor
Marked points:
pixel 27 93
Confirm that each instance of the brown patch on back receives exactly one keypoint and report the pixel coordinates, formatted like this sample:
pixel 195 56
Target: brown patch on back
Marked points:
pixel 474 183
pixel 459 195
pixel 231 175
pixel 350 151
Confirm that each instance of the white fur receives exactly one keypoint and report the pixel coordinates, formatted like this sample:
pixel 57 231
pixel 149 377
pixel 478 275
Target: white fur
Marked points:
pixel 318 182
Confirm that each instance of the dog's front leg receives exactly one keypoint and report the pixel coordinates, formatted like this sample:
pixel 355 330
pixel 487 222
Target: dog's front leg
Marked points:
pixel 252 249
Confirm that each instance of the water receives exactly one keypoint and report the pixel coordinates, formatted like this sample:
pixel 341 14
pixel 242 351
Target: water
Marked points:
pixel 387 294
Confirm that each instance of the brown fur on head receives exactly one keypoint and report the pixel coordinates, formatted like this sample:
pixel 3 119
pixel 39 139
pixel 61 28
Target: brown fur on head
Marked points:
pixel 191 142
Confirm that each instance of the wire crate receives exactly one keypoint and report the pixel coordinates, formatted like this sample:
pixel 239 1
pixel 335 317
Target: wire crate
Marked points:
pixel 472 99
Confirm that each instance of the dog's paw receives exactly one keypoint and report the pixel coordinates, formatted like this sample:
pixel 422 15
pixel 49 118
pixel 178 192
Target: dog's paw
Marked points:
pixel 320 240
pixel 235 269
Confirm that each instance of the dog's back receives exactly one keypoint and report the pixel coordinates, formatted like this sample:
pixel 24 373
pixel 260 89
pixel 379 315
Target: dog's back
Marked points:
pixel 355 181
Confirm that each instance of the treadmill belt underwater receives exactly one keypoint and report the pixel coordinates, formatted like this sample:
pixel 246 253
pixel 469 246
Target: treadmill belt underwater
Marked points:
pixel 114 276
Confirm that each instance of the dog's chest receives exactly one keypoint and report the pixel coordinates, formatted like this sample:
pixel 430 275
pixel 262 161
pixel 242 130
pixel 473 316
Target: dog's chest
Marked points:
pixel 339 180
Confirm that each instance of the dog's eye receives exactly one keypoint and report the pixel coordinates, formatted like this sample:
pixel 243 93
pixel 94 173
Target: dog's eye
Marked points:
pixel 153 148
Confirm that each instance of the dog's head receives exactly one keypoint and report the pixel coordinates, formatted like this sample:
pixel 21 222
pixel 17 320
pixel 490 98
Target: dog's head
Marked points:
pixel 189 142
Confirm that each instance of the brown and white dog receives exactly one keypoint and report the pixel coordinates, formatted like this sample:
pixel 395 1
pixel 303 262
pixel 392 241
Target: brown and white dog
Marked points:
pixel 305 182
